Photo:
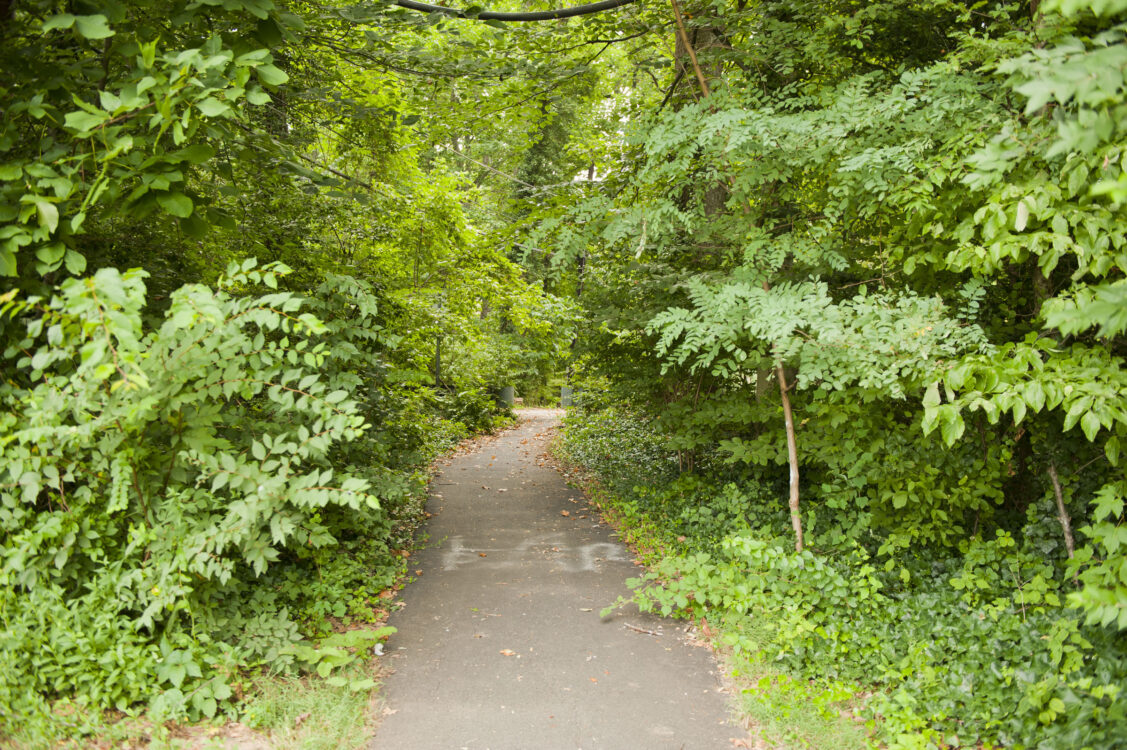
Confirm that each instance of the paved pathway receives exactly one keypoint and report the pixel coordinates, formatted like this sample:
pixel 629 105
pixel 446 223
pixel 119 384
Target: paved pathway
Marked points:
pixel 500 644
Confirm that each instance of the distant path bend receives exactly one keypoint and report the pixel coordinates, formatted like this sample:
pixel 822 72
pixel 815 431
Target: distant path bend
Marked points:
pixel 500 644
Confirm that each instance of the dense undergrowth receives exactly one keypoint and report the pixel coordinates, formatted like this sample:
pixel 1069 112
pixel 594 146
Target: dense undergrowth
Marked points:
pixel 222 491
pixel 966 646
pixel 211 467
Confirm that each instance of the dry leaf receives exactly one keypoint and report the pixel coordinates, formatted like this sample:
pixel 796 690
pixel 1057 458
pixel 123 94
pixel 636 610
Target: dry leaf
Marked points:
pixel 564 513
pixel 481 554
pixel 508 652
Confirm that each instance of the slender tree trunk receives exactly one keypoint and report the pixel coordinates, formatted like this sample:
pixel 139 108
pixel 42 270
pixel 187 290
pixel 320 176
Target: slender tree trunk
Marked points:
pixel 438 360
pixel 1062 512
pixel 792 458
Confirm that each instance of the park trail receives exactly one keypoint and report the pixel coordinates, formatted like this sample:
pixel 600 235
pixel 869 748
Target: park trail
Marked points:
pixel 501 645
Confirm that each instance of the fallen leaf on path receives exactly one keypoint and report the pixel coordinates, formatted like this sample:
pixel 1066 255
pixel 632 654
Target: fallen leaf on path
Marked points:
pixel 481 554
pixel 508 652
pixel 502 489
pixel 592 679
pixel 586 609
pixel 564 513
pixel 418 572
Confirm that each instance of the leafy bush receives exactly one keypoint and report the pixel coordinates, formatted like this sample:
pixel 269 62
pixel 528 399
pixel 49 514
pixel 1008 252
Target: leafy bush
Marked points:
pixel 148 477
pixel 969 648
pixel 476 410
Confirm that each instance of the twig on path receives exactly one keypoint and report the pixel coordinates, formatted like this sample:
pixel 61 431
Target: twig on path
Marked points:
pixel 641 630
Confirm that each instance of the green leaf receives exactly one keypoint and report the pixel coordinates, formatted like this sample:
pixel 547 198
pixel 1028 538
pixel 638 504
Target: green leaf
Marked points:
pixel 48 214
pixel 212 107
pixel 52 254
pixel 93 27
pixel 952 427
pixel 208 707
pixel 1090 424
pixel 61 21
pixel 1022 218
pixel 194 226
pixel 84 121
pixel 195 154
pixel 109 101
pixel 271 75
pixel 176 204
pixel 75 263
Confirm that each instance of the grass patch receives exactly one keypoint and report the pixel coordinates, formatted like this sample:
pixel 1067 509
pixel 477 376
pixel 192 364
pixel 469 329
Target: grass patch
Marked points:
pixel 308 713
pixel 784 712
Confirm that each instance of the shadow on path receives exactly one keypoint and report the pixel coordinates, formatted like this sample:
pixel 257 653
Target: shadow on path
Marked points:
pixel 500 644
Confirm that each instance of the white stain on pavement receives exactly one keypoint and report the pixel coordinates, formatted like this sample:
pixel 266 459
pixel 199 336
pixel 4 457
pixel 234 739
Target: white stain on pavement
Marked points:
pixel 550 547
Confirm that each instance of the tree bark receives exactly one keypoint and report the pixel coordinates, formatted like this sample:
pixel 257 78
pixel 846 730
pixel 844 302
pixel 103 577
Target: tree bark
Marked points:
pixel 792 458
pixel 1062 512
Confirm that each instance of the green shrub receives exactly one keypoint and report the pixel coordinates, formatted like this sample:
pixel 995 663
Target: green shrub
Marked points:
pixel 147 477
pixel 971 646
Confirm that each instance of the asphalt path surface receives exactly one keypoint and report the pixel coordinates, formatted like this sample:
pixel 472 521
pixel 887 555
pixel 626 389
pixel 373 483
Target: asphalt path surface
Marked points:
pixel 501 645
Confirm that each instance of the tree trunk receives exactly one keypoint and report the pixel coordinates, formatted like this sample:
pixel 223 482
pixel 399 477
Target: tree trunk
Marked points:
pixel 1062 512
pixel 438 360
pixel 792 458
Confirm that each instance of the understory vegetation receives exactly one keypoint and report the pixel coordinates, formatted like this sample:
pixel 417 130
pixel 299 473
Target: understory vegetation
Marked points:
pixel 227 363
pixel 854 366
pixel 839 288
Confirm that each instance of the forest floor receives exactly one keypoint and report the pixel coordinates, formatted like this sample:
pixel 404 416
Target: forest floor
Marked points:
pixel 501 644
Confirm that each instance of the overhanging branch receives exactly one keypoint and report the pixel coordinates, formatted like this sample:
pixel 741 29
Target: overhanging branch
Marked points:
pixel 537 15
